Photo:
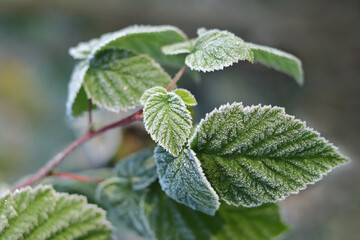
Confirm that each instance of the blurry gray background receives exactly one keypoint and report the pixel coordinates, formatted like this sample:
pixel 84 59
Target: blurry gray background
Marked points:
pixel 35 69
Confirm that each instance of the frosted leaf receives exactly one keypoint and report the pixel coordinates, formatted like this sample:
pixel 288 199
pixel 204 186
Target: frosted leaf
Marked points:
pixel 167 219
pixel 42 213
pixel 117 79
pixel 183 180
pixel 186 96
pixel 215 49
pixel 77 101
pixel 279 60
pixel 139 169
pixel 168 121
pixel 179 48
pixel 140 39
pixel 148 93
pixel 259 154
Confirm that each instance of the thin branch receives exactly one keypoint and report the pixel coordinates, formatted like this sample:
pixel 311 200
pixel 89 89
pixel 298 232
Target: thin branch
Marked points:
pixel 76 177
pixel 176 78
pixel 57 159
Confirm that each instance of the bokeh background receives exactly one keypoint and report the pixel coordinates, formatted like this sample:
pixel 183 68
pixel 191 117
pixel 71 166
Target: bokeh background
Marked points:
pixel 35 68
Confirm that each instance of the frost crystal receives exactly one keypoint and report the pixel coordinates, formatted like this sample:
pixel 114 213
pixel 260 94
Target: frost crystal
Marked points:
pixel 259 154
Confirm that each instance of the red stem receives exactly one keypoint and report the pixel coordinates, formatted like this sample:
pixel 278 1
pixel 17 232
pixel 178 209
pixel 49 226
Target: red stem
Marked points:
pixel 176 78
pixel 57 159
pixel 76 177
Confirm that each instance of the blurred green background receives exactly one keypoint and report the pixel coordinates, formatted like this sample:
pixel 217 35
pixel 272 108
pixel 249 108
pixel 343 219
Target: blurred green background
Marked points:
pixel 35 68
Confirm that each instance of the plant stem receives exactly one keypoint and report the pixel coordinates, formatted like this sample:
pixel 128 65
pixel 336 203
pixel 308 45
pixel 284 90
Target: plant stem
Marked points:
pixel 176 78
pixel 58 158
pixel 76 177
pixel 90 115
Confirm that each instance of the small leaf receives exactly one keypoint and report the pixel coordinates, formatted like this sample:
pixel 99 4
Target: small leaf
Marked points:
pixel 139 169
pixel 258 154
pixel 117 79
pixel 148 93
pixel 186 96
pixel 179 48
pixel 41 213
pixel 279 60
pixel 77 101
pixel 139 39
pixel 168 121
pixel 215 49
pixel 183 180
pixel 167 219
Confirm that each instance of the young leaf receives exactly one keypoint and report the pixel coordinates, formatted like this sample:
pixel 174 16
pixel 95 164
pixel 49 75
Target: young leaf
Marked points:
pixel 148 93
pixel 183 180
pixel 139 169
pixel 186 96
pixel 169 220
pixel 41 213
pixel 116 80
pixel 215 49
pixel 179 48
pixel 168 121
pixel 77 102
pixel 139 39
pixel 258 154
pixel 279 60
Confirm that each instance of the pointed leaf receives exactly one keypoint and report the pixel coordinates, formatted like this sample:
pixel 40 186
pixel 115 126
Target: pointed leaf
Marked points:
pixel 259 154
pixel 183 180
pixel 148 93
pixel 167 219
pixel 215 49
pixel 279 60
pixel 116 80
pixel 41 213
pixel 186 96
pixel 179 48
pixel 139 169
pixel 139 39
pixel 168 121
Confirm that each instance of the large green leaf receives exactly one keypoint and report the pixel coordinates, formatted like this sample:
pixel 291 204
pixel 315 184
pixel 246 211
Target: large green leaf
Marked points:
pixel 167 120
pixel 41 213
pixel 167 219
pixel 139 39
pixel 259 154
pixel 183 180
pixel 116 79
pixel 279 60
pixel 215 49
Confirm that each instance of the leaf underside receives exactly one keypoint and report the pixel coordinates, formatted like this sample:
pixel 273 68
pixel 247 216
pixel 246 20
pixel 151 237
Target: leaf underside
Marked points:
pixel 183 180
pixel 41 213
pixel 168 121
pixel 258 154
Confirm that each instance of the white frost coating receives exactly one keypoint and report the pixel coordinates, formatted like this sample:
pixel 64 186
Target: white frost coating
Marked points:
pixel 83 49
pixel 148 93
pixel 215 49
pixel 260 154
pixel 183 179
pixel 179 48
pixel 168 121
pixel 47 220
pixel 295 71
pixel 75 84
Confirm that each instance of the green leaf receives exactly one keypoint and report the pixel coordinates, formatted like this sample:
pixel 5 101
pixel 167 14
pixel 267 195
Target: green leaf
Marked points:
pixel 279 60
pixel 179 48
pixel 77 102
pixel 215 49
pixel 183 180
pixel 122 203
pixel 139 39
pixel 148 93
pixel 186 96
pixel 139 169
pixel 41 213
pixel 168 121
pixel 259 154
pixel 167 219
pixel 117 79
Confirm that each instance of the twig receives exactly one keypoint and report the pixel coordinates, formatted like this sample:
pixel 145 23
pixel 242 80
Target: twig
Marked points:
pixel 176 78
pixel 76 177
